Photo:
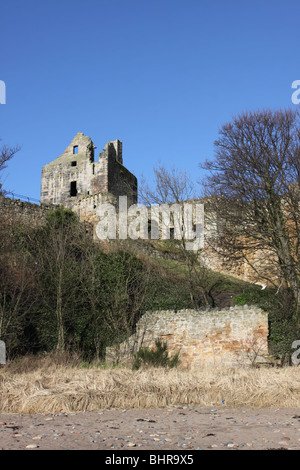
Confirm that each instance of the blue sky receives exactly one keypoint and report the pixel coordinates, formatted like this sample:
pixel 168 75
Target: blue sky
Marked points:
pixel 160 75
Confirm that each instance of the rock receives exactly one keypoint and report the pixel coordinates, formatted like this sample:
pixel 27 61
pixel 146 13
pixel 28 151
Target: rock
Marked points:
pixel 229 444
pixel 131 444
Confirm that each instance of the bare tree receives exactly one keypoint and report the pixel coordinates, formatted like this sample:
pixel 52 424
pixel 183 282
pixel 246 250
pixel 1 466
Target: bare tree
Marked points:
pixel 177 187
pixel 253 184
pixel 169 186
pixel 6 154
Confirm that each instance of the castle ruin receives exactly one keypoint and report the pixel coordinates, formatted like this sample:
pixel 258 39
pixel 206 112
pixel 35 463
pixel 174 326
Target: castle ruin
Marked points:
pixel 76 175
pixel 79 182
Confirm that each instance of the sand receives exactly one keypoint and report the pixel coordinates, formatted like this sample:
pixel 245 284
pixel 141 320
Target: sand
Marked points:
pixel 182 428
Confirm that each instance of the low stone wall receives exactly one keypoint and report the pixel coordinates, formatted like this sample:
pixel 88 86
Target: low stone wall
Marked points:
pixel 19 211
pixel 232 336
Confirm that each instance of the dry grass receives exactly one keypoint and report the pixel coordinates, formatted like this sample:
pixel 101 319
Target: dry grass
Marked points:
pixel 45 386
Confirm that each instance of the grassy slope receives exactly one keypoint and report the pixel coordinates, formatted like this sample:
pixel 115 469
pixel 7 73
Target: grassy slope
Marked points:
pixel 226 290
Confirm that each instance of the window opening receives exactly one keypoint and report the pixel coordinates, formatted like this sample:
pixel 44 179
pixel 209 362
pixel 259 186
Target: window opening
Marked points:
pixel 73 189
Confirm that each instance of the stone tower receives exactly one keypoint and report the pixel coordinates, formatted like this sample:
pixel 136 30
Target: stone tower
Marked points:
pixel 75 175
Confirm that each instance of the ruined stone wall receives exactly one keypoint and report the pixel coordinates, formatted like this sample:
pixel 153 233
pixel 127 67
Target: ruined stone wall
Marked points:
pixel 78 169
pixel 121 182
pixel 75 173
pixel 259 262
pixel 18 211
pixel 203 338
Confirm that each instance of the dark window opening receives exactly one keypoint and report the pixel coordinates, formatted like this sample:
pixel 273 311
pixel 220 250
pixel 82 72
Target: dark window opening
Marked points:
pixel 73 163
pixel 73 189
pixel 93 169
pixel 75 149
pixel 172 233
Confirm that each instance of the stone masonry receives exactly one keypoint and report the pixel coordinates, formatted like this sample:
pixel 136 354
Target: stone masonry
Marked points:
pixel 229 337
pixel 77 181
pixel 17 211
pixel 76 175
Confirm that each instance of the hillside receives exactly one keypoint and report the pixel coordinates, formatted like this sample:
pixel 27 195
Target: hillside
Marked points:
pixel 62 291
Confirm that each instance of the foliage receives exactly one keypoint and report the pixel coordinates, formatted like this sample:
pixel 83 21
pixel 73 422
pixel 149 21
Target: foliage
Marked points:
pixel 254 296
pixel 60 218
pixel 61 293
pixel 158 357
pixel 284 328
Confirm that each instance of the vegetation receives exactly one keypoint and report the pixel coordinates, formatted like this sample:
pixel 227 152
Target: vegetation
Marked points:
pixel 50 385
pixel 283 327
pixel 62 292
pixel 253 189
pixel 158 357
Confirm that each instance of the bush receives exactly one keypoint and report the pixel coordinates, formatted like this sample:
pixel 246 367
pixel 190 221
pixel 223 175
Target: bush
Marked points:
pixel 254 296
pixel 284 328
pixel 155 357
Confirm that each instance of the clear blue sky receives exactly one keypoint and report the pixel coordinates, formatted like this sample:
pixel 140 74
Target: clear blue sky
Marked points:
pixel 160 75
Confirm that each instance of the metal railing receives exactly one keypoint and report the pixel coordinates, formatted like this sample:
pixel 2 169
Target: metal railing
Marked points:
pixel 22 198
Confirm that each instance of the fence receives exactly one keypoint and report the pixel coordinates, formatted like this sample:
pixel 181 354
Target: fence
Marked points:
pixel 22 198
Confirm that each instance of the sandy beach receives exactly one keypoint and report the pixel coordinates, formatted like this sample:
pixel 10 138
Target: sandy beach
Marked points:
pixel 181 428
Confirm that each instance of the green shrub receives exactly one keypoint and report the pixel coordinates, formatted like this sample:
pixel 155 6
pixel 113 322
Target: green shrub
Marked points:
pixel 254 296
pixel 158 357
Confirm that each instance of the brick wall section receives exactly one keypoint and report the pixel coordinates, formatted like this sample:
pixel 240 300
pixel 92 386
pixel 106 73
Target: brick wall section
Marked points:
pixel 227 337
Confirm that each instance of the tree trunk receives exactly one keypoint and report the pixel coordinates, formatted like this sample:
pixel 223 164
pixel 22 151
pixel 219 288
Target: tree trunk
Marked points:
pixel 59 315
